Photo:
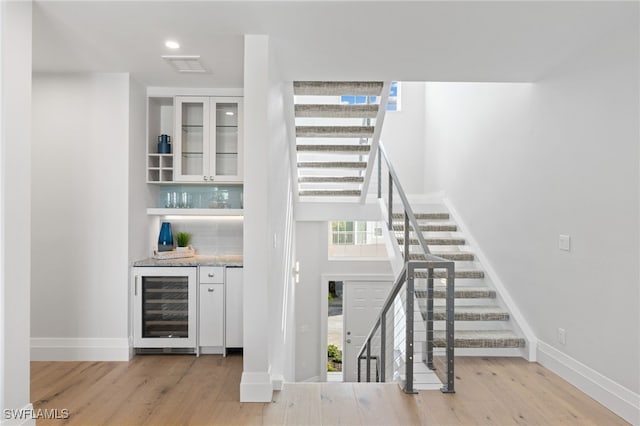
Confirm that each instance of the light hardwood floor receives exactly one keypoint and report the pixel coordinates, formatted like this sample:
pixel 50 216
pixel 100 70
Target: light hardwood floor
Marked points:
pixel 183 389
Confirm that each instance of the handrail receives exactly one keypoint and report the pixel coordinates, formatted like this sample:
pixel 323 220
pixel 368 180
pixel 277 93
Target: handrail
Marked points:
pixel 403 197
pixel 407 276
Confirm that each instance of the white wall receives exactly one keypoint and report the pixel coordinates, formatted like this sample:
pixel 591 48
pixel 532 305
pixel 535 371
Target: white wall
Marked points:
pixel 403 137
pixel 15 202
pixel 80 215
pixel 281 285
pixel 524 163
pixel 255 384
pixel 312 248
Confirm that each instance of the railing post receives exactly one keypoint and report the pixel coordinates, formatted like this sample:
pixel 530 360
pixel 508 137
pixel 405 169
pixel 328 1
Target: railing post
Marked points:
pixel 390 202
pixel 379 172
pixel 368 363
pixel 449 387
pixel 406 237
pixel 383 345
pixel 408 365
pixel 430 319
pixel 359 367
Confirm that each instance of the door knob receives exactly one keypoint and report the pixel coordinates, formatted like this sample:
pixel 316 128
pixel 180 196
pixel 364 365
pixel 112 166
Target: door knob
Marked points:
pixel 348 333
pixel 348 340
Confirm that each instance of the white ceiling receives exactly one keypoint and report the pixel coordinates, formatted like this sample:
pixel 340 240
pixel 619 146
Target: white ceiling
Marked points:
pixel 323 40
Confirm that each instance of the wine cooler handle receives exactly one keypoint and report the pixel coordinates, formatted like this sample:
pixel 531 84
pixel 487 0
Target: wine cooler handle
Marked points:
pixel 135 286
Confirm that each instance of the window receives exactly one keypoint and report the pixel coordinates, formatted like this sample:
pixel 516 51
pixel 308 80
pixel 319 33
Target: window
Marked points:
pixel 393 104
pixel 356 239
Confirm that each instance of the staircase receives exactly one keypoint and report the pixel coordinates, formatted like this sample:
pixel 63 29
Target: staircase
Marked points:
pixel 482 325
pixel 336 141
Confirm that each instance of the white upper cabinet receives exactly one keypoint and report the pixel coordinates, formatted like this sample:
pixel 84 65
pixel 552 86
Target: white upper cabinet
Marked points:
pixel 208 139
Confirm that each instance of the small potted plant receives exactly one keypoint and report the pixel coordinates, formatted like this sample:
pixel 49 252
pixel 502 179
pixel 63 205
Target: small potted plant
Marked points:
pixel 183 239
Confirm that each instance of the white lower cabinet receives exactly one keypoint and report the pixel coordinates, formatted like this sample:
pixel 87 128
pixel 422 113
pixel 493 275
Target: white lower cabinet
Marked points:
pixel 211 309
pixel 211 318
pixel 233 317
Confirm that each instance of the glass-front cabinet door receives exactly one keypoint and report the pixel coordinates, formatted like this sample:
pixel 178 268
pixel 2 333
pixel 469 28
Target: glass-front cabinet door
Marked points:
pixel 226 160
pixel 164 307
pixel 192 134
pixel 208 141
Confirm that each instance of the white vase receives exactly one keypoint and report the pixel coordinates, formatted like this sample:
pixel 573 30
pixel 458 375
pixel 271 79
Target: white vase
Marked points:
pixel 182 248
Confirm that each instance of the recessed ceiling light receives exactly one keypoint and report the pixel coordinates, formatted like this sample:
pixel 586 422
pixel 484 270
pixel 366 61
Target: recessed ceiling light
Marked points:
pixel 171 44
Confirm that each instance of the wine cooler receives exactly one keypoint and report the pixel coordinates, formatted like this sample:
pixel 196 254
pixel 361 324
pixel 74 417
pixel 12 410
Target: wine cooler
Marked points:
pixel 164 307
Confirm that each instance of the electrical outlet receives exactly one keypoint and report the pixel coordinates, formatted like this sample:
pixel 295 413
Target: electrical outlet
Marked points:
pixel 562 336
pixel 564 242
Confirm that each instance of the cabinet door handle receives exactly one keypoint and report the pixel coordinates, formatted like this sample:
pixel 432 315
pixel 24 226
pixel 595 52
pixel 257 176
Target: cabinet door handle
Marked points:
pixel 211 178
pixel 206 177
pixel 211 274
pixel 135 286
pixel 210 289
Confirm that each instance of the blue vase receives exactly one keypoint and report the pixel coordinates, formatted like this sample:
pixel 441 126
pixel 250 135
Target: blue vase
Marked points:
pixel 165 240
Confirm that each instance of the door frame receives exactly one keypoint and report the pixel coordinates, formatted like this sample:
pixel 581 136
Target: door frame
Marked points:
pixel 324 309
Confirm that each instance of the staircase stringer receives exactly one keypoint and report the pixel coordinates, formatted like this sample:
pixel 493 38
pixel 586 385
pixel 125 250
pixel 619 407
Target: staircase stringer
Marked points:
pixel 289 105
pixel 375 140
pixel 517 318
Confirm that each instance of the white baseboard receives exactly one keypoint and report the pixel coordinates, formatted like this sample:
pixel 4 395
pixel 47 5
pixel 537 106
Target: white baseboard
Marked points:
pixel 277 380
pixel 256 387
pixel 79 349
pixel 21 417
pixel 617 398
pixel 314 379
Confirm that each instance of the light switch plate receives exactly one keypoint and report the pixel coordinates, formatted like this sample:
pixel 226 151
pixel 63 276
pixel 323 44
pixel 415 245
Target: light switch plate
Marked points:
pixel 564 242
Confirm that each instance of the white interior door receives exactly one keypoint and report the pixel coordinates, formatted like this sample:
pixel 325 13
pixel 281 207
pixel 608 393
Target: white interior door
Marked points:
pixel 363 301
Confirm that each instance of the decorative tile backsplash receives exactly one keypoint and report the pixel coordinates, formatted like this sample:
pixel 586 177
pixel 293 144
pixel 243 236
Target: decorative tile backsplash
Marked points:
pixel 212 236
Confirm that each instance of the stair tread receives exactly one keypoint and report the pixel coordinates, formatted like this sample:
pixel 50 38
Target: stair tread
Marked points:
pixel 334 149
pixel 470 313
pixel 333 88
pixel 334 131
pixel 336 111
pixel 333 164
pixel 330 192
pixel 459 274
pixel 436 241
pixel 424 216
pixel 331 179
pixel 470 292
pixel 453 255
pixel 480 339
pixel 430 227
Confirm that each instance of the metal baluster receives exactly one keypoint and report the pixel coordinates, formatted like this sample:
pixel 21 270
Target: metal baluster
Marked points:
pixel 406 236
pixel 449 329
pixel 430 319
pixel 390 202
pixel 383 345
pixel 368 363
pixel 408 366
pixel 379 173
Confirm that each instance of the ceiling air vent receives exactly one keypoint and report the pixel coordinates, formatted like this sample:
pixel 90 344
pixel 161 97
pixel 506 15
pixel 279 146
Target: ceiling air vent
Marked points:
pixel 188 64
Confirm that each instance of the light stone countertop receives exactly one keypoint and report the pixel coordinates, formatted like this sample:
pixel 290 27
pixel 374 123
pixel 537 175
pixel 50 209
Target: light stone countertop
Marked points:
pixel 197 260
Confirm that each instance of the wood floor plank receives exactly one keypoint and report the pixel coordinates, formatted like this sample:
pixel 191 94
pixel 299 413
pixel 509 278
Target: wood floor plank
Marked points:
pixel 338 404
pixel 189 390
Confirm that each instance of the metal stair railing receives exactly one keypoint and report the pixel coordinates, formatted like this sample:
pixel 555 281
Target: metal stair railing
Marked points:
pixel 387 332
